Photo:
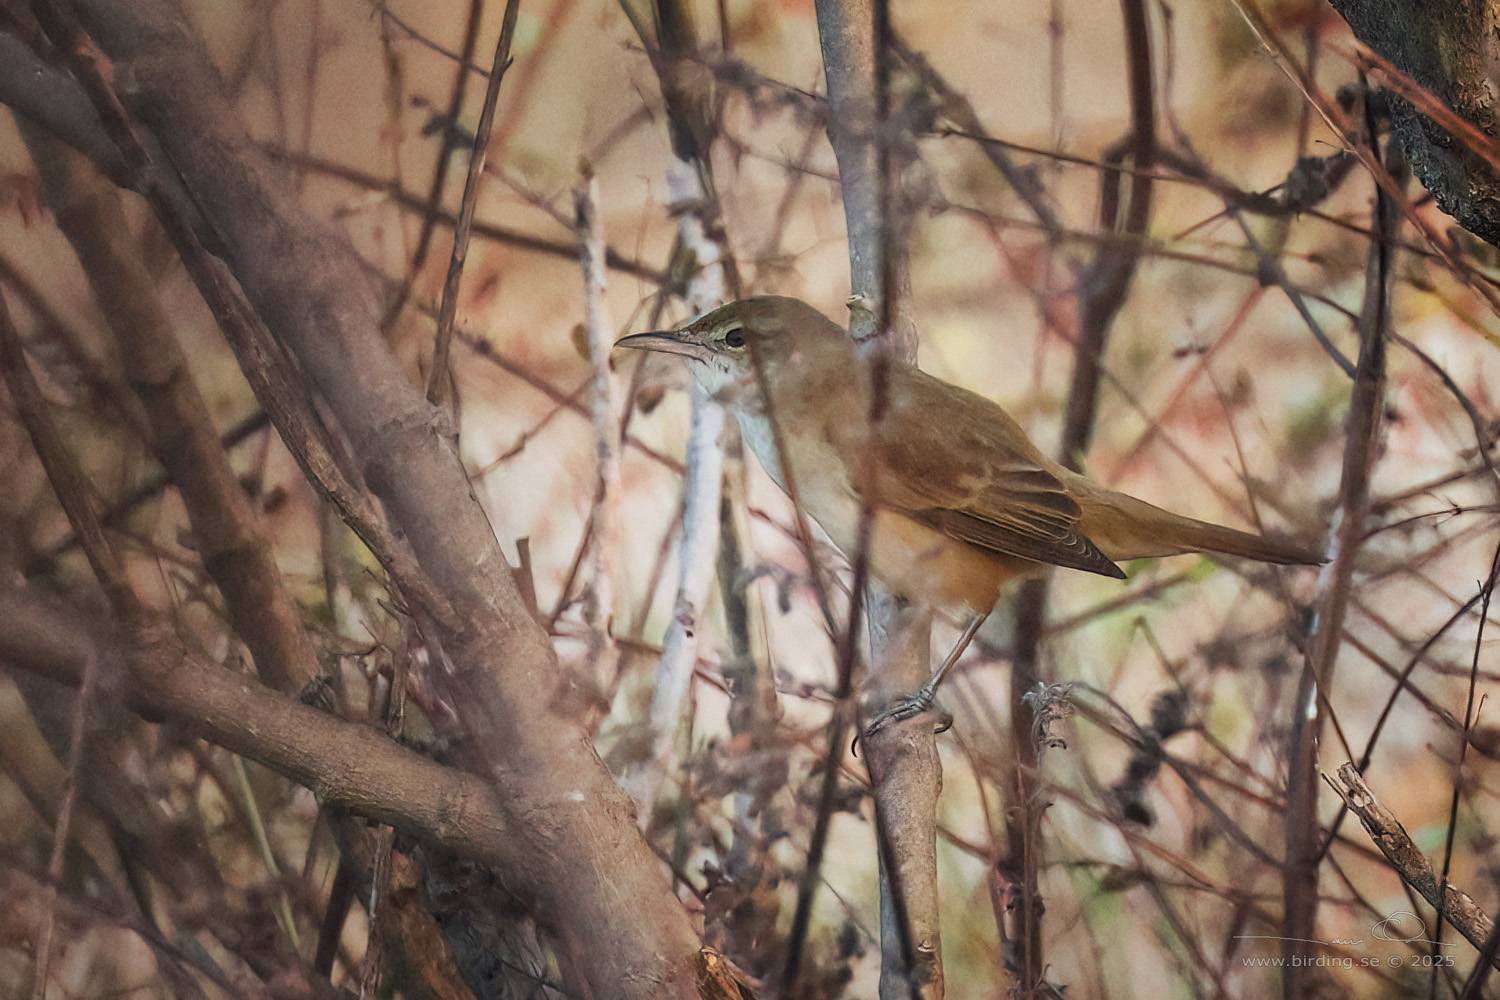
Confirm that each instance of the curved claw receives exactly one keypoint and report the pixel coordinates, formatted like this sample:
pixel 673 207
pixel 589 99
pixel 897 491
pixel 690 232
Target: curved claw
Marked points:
pixel 909 707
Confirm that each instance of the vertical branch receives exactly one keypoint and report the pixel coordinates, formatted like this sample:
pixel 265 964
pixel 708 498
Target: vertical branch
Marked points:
pixel 907 778
pixel 687 87
pixel 687 90
pixel 440 379
pixel 872 147
pixel 1109 278
pixel 1335 590
pixel 753 715
pixel 1103 293
pixel 62 828
pixel 1022 821
pixel 604 520
pixel 370 966
pixel 1471 707
pixel 679 652
pixel 848 35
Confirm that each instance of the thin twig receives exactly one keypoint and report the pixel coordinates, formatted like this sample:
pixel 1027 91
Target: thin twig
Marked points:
pixel 1487 591
pixel 73 492
pixel 149 488
pixel 957 108
pixel 440 379
pixel 388 17
pixel 68 482
pixel 485 230
pixel 446 149
pixel 62 829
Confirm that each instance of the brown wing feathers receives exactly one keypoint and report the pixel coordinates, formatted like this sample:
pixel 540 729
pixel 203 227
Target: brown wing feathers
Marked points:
pixel 1067 547
pixel 969 472
pixel 981 480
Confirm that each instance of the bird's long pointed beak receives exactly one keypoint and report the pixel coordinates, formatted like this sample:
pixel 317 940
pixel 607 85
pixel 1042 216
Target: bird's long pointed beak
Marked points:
pixel 667 342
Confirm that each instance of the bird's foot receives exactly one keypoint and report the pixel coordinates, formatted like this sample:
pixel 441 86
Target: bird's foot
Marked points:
pixel 910 707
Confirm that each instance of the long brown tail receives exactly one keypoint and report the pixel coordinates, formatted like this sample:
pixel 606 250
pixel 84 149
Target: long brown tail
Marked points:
pixel 1126 528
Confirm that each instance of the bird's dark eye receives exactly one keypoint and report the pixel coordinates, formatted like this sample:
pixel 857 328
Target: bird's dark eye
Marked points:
pixel 734 338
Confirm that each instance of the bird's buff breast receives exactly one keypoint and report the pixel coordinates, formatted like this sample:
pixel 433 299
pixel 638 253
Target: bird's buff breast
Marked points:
pixel 909 558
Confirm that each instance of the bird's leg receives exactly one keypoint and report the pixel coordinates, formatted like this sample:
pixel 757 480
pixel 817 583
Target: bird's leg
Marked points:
pixel 929 690
pixel 921 699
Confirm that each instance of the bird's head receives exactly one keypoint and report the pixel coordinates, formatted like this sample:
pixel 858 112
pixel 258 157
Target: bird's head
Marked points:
pixel 725 346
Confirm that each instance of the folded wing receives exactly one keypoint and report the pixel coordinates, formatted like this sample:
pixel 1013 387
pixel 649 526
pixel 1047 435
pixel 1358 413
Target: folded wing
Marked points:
pixel 969 472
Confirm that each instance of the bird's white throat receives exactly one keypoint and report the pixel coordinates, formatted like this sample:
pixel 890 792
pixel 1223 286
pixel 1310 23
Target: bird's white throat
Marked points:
pixel 755 429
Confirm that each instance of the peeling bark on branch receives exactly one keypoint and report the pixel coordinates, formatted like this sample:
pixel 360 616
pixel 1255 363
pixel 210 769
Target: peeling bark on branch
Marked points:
pixel 1452 50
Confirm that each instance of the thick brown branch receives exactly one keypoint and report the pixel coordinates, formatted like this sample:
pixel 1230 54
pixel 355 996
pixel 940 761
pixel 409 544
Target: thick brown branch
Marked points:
pixel 346 765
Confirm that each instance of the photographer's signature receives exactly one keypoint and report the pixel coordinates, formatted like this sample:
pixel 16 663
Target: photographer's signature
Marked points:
pixel 1396 928
pixel 1402 927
